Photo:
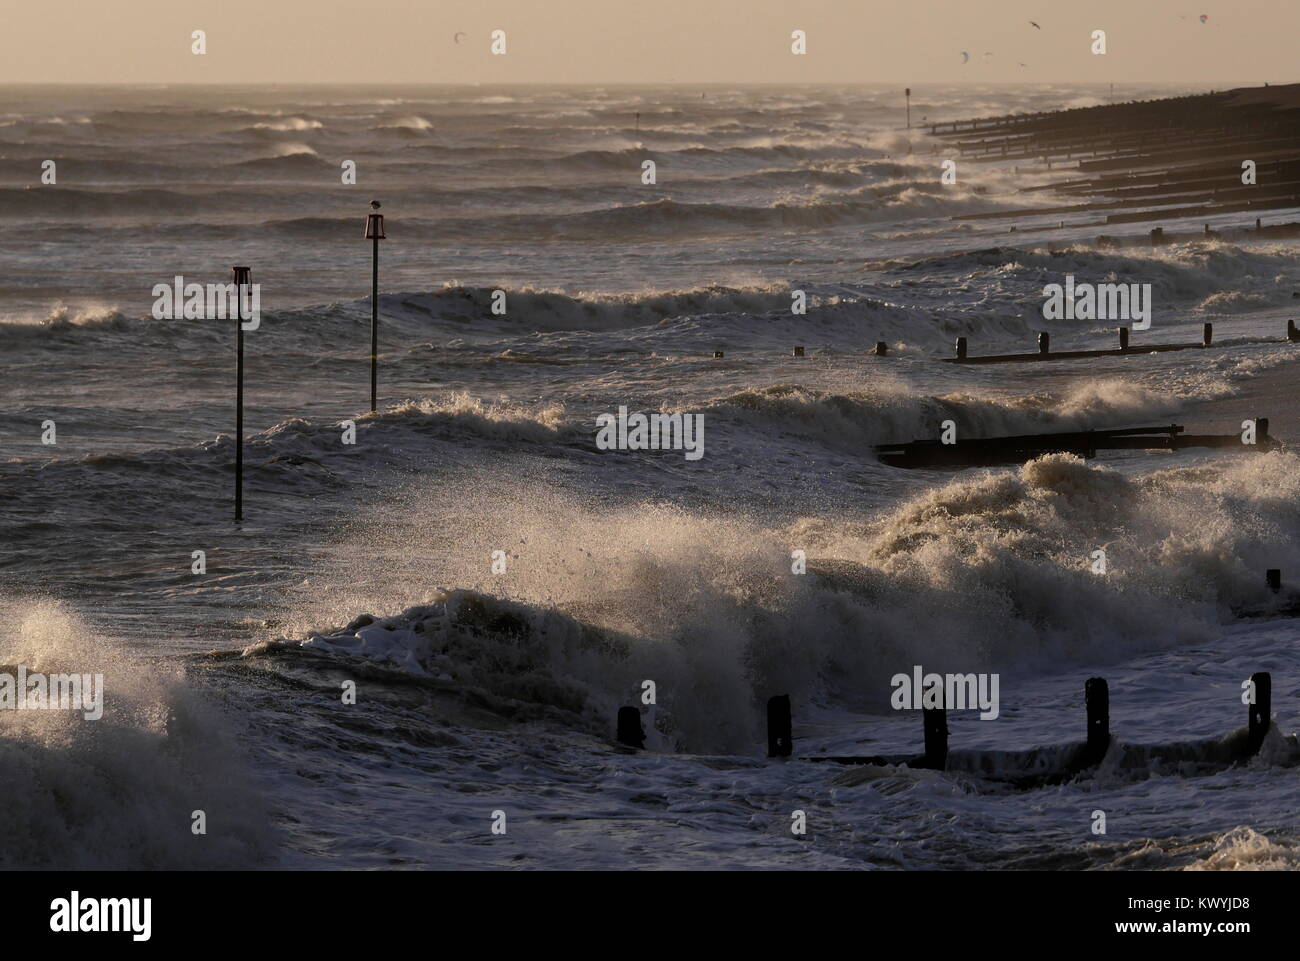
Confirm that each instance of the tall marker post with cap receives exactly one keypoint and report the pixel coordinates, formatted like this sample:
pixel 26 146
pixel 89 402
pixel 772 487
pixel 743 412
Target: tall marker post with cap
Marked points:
pixel 243 276
pixel 907 95
pixel 374 233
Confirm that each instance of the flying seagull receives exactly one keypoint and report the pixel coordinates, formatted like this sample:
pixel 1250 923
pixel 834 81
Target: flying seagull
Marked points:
pixel 1034 25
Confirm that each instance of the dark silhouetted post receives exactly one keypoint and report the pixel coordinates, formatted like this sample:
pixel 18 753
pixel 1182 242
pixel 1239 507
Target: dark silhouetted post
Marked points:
pixel 961 348
pixel 1261 711
pixel 630 731
pixel 798 351
pixel 1096 696
pixel 717 355
pixel 374 233
pixel 780 735
pixel 1292 334
pixel 1207 335
pixel 935 721
pixel 907 94
pixel 243 276
pixel 1123 338
pixel 1273 577
pixel 1261 432
pixel 1044 342
pixel 881 348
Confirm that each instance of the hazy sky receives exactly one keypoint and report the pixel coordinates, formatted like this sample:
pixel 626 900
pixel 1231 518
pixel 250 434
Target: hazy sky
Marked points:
pixel 648 41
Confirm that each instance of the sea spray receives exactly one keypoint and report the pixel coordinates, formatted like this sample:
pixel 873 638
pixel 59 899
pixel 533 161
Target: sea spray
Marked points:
pixel 992 573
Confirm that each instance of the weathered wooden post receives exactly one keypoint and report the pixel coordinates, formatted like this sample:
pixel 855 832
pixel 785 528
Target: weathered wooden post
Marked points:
pixel 780 735
pixel 798 351
pixel 1123 338
pixel 1273 577
pixel 1261 712
pixel 1096 697
pixel 1261 432
pixel 1157 236
pixel 243 276
pixel 1044 342
pixel 961 348
pixel 1292 334
pixel 374 233
pixel 717 355
pixel 630 731
pixel 1207 335
pixel 935 722
pixel 881 348
pixel 907 94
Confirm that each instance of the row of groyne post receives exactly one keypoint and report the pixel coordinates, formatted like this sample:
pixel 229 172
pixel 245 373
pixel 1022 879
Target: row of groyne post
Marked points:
pixel 1237 747
pixel 1150 160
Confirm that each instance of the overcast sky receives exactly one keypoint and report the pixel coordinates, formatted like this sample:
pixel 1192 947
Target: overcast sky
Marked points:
pixel 650 41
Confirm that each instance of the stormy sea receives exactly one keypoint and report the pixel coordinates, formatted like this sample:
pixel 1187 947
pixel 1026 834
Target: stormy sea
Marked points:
pixel 430 615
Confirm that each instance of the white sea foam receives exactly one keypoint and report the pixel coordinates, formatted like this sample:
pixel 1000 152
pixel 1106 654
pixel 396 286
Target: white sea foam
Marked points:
pixel 118 792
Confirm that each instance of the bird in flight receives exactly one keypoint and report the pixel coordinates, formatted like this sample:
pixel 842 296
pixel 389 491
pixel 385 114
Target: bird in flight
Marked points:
pixel 1034 25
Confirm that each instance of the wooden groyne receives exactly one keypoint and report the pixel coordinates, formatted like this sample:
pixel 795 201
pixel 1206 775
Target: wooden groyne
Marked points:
pixel 1034 769
pixel 1149 160
pixel 1125 348
pixel 992 451
pixel 1039 767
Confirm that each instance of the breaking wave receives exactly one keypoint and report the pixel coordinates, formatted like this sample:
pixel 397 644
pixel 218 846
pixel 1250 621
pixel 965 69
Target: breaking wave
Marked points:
pixel 118 792
pixel 986 573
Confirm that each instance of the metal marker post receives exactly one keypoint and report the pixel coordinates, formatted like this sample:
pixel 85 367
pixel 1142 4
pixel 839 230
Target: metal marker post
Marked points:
pixel 907 92
pixel 242 278
pixel 375 233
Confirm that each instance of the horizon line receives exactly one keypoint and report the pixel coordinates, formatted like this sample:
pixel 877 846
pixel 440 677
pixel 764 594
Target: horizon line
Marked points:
pixel 633 83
